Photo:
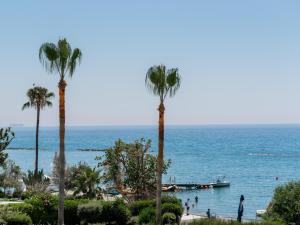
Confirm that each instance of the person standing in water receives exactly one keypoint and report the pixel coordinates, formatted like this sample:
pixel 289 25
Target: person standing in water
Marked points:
pixel 241 209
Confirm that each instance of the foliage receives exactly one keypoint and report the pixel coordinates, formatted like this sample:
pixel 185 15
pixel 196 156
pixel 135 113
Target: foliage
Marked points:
pixel 90 212
pixel 169 218
pixel 2 222
pixel 162 82
pixel 71 208
pixel 147 216
pixel 137 206
pixel 44 208
pixel 22 208
pixel 6 136
pixel 131 165
pixel 103 212
pixel 35 189
pixel 83 179
pixel 60 58
pixel 11 177
pixel 29 178
pixel 172 208
pixel 285 204
pixel 17 219
pixel 38 97
pixel 170 199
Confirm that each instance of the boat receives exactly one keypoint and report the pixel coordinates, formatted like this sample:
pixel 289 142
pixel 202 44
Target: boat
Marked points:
pixel 260 212
pixel 171 188
pixel 220 182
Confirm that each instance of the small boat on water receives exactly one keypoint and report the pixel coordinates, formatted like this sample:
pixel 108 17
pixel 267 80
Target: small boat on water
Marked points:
pixel 220 182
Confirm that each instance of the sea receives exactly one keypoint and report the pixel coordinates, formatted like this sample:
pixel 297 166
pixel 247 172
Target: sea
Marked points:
pixel 254 158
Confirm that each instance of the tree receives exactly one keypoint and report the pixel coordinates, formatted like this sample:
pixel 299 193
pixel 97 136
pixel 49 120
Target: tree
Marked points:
pixel 131 165
pixel 84 179
pixel 6 136
pixel 285 204
pixel 161 82
pixel 11 176
pixel 60 58
pixel 38 98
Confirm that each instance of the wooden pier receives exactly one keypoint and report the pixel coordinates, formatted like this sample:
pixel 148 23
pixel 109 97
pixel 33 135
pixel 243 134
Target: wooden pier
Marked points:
pixel 191 186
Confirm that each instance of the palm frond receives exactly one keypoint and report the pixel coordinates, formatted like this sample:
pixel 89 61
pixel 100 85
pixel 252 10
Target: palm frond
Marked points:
pixel 75 58
pixel 38 97
pixel 59 58
pixel 48 55
pixel 161 82
pixel 173 81
pixel 26 106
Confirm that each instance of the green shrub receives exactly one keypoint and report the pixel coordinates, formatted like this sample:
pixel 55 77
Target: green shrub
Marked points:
pixel 44 209
pixel 170 199
pixel 285 204
pixel 90 213
pixel 2 222
pixel 103 212
pixel 71 208
pixel 16 218
pixel 22 208
pixel 137 206
pixel 172 208
pixel 169 218
pixel 147 216
pixel 120 212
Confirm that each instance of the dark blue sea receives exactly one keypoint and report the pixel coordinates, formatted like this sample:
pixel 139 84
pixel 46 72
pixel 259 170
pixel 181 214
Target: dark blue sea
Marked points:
pixel 250 156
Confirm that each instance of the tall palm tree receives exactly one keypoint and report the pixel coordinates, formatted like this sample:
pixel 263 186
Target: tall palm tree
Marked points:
pixel 38 98
pixel 62 59
pixel 161 82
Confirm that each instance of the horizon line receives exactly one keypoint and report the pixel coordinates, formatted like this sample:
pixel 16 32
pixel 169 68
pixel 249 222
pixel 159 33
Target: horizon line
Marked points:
pixel 155 125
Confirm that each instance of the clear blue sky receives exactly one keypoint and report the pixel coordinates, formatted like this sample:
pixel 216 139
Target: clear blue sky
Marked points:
pixel 239 60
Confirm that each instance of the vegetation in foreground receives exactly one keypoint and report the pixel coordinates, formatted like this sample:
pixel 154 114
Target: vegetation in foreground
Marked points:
pixel 42 209
pixel 285 205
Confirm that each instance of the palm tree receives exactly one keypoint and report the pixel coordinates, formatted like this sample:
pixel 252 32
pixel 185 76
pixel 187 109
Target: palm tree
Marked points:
pixel 38 98
pixel 161 82
pixel 62 59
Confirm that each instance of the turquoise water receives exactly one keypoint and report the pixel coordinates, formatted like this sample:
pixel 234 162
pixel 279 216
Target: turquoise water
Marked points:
pixel 249 156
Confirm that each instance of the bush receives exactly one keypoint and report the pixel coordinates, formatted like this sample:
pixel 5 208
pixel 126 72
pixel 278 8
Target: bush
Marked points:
pixel 172 208
pixel 2 222
pixel 44 209
pixel 147 216
pixel 120 212
pixel 71 208
pixel 137 206
pixel 170 199
pixel 90 213
pixel 169 218
pixel 16 218
pixel 103 212
pixel 285 204
pixel 22 208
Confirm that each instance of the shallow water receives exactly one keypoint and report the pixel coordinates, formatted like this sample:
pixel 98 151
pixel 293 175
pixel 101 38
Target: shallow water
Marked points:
pixel 249 156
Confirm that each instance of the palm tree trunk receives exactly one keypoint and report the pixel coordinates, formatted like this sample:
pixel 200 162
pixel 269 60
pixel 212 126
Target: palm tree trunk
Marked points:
pixel 160 159
pixel 62 85
pixel 36 169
